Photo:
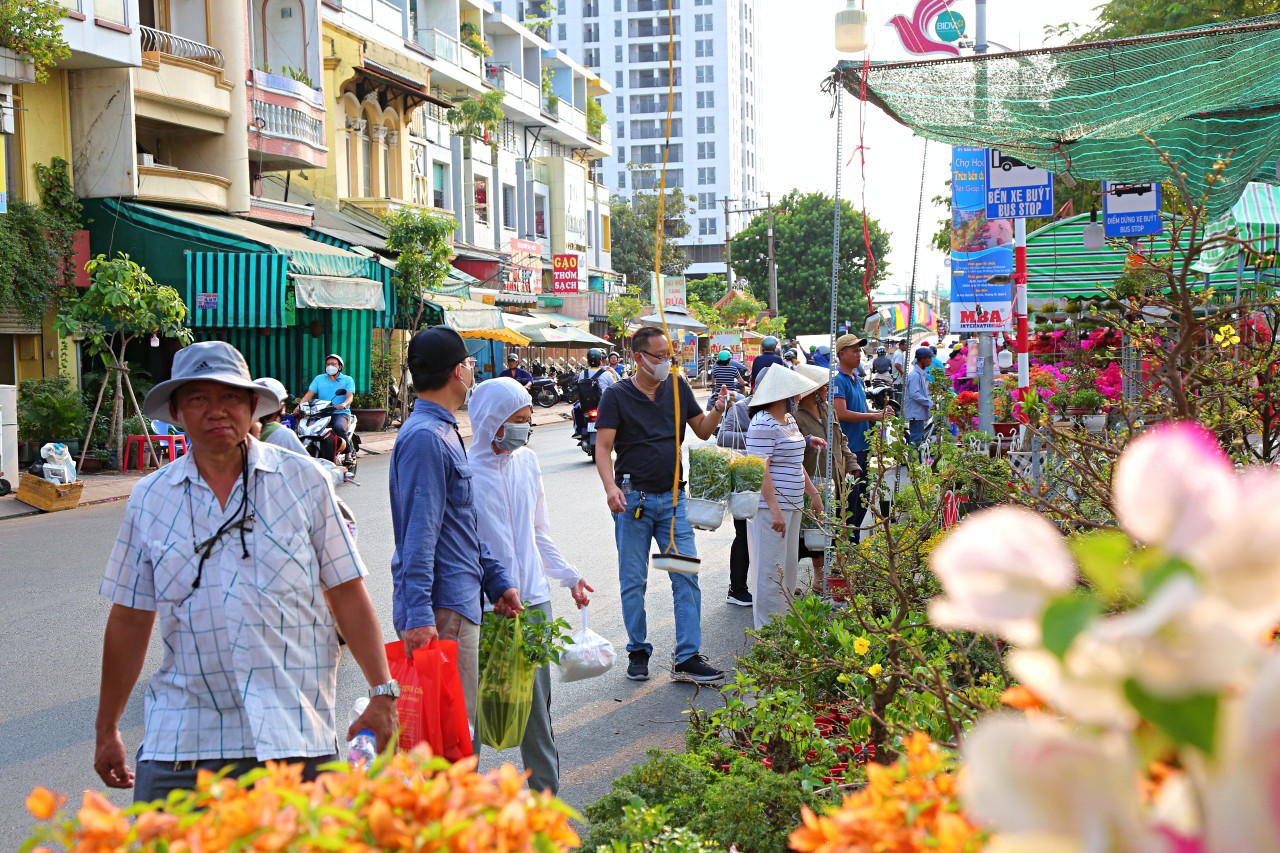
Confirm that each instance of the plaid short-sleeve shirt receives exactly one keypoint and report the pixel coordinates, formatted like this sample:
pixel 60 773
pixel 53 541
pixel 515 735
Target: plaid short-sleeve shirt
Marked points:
pixel 251 656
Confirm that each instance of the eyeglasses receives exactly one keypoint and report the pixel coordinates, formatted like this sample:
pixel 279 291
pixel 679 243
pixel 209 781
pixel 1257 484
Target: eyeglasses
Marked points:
pixel 658 358
pixel 469 363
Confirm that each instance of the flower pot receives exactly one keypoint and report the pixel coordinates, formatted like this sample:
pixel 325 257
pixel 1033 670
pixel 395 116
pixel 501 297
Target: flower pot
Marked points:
pixel 1095 423
pixel 1005 429
pixel 1076 411
pixel 815 540
pixel 370 420
pixel 704 514
pixel 744 505
pixel 26 453
pixel 92 465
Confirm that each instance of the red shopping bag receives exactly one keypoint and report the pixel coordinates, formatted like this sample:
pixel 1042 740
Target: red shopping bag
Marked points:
pixel 431 707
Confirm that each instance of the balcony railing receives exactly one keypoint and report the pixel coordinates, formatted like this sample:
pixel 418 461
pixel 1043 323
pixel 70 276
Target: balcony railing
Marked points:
pixel 472 61
pixel 439 45
pixel 158 41
pixel 288 122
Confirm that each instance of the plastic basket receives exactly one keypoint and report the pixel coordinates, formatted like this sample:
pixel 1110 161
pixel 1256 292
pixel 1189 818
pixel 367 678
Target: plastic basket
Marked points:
pixel 744 505
pixel 704 514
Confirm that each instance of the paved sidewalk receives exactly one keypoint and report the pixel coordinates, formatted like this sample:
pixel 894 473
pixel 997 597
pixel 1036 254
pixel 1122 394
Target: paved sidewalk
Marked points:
pixel 114 486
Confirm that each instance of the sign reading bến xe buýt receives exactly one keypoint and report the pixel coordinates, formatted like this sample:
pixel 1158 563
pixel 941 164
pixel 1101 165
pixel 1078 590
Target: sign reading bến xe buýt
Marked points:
pixel 1016 190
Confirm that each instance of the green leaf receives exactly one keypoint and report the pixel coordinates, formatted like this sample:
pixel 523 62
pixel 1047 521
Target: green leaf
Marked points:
pixel 1154 579
pixel 1065 618
pixel 1191 720
pixel 1101 557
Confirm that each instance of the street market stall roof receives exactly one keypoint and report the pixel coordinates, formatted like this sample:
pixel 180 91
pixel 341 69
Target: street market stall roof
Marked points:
pixel 566 336
pixel 475 319
pixel 1198 94
pixel 675 320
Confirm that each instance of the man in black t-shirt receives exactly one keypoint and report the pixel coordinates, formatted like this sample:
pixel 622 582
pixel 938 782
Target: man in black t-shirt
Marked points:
pixel 638 419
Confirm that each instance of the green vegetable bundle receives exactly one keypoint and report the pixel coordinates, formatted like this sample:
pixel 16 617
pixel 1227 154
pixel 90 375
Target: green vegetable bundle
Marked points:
pixel 747 473
pixel 709 477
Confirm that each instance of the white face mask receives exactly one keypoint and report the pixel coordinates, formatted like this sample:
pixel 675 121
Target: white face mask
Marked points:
pixel 514 436
pixel 660 371
pixel 469 388
pixel 332 370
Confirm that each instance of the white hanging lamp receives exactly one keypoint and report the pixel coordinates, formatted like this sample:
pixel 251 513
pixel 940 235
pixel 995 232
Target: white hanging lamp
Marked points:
pixel 851 29
pixel 1095 236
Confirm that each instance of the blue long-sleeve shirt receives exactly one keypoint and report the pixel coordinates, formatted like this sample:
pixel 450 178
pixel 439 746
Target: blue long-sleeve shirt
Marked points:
pixel 918 399
pixel 439 560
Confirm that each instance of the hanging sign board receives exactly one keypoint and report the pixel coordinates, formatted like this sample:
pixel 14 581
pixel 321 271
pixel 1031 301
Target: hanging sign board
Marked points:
pixel 689 352
pixel 207 301
pixel 564 274
pixel 1016 190
pixel 981 249
pixel 1131 210
pixel 673 290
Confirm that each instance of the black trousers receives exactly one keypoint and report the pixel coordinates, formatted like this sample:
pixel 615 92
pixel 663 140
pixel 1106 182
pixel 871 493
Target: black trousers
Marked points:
pixel 858 495
pixel 739 560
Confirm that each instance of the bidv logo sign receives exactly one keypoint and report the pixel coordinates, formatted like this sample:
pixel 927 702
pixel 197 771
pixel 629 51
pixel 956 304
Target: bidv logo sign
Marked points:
pixel 915 31
pixel 949 27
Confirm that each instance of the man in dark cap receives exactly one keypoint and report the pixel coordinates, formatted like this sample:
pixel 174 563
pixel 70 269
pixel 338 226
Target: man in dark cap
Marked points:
pixel 440 566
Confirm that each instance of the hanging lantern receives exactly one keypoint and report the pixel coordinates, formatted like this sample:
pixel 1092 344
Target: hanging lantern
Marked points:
pixel 851 29
pixel 1095 236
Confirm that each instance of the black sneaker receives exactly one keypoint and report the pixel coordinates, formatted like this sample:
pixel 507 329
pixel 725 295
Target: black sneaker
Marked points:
pixel 696 670
pixel 638 669
pixel 742 599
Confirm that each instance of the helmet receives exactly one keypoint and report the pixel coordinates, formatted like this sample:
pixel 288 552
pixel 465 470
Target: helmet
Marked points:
pixel 881 351
pixel 595 355
pixel 790 354
pixel 614 355
pixel 275 385
pixel 512 357
pixel 769 343
pixel 724 356
pixel 342 365
pixel 813 348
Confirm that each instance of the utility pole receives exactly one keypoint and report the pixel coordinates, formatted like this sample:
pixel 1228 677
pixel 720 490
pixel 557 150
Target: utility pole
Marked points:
pixel 728 245
pixel 986 343
pixel 773 266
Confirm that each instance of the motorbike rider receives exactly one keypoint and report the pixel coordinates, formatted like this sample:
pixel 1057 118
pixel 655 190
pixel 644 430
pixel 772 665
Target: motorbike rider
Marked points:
pixel 768 355
pixel 516 372
pixel 882 363
pixel 327 386
pixel 615 364
pixel 595 371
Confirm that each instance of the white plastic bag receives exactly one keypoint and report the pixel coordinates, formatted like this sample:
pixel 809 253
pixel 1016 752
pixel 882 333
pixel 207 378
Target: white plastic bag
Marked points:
pixel 589 656
pixel 59 467
pixel 744 505
pixel 703 514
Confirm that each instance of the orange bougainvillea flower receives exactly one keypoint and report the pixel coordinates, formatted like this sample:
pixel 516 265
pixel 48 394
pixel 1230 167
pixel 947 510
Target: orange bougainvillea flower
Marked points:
pixel 908 807
pixel 1023 699
pixel 44 804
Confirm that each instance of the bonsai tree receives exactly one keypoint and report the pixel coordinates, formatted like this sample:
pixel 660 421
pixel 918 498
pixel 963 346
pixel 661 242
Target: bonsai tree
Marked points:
pixel 121 303
pixel 422 241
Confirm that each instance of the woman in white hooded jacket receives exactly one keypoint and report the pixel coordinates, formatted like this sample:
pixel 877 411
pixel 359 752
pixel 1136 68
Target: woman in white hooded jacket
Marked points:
pixel 512 514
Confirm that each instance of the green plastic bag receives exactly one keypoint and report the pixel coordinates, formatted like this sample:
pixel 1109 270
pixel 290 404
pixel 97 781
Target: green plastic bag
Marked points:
pixel 506 688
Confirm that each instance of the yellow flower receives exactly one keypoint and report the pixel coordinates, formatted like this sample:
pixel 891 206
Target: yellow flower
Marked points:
pixel 861 644
pixel 874 670
pixel 1226 336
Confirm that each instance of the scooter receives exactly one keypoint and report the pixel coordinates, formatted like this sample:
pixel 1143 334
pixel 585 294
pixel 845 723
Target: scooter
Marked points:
pixel 544 391
pixel 587 442
pixel 317 435
pixel 568 384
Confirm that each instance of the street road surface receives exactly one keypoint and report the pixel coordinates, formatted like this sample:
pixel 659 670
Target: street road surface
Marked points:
pixel 52 637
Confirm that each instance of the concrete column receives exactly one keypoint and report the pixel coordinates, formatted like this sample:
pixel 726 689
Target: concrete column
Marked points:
pixel 229 32
pixel 523 216
pixel 466 223
pixel 378 142
pixel 496 201
pixel 103 134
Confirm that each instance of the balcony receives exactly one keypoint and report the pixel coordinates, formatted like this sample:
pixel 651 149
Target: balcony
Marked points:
pixel 440 45
pixel 472 61
pixel 181 83
pixel 179 187
pixel 604 137
pixel 288 124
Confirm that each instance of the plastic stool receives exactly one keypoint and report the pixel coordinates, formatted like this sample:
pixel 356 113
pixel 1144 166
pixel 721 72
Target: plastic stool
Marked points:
pixel 130 442
pixel 176 445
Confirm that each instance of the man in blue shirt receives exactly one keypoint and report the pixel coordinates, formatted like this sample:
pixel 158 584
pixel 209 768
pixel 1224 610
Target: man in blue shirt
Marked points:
pixel 440 566
pixel 334 386
pixel 516 372
pixel 855 419
pixel 918 402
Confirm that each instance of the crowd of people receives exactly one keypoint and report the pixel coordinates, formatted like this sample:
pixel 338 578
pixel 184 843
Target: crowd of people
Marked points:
pixel 239 551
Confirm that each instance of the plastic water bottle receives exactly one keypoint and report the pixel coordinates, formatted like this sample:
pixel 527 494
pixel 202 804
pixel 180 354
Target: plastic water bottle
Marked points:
pixel 363 748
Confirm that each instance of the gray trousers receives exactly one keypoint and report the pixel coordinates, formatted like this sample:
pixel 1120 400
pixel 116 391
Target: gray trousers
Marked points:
pixel 155 779
pixel 538 749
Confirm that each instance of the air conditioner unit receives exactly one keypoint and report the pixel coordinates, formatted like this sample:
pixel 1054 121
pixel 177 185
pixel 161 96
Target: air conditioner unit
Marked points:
pixel 145 159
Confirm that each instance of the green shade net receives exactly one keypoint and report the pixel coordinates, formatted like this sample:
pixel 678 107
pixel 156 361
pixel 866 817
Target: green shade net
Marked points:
pixel 1198 93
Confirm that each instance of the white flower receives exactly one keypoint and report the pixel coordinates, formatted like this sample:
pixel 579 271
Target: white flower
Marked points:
pixel 1087 687
pixel 1034 778
pixel 1000 568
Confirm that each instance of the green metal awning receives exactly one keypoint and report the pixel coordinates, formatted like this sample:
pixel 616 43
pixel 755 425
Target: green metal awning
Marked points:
pixel 1058 264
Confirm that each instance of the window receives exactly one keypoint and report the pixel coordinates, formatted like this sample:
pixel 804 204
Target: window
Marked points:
pixel 560 6
pixel 703 47
pixel 508 206
pixel 591 57
pixel 540 216
pixel 706 201
pixel 617 28
pixel 482 201
pixel 706 100
pixel 617 57
pixel 706 74
pixel 563 31
pixel 111 10
pixel 590 32
pixel 622 155
pixel 706 175
pixel 606 240
pixel 703 24
pixel 622 105
pixel 366 165
pixel 622 181
pixel 622 130
pixel 384 184
pixel 617 5
pixel 438 183
pixel 706 151
pixel 706 124
pixel 706 226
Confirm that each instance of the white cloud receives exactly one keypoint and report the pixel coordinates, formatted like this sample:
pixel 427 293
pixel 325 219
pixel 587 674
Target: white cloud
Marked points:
pixel 799 136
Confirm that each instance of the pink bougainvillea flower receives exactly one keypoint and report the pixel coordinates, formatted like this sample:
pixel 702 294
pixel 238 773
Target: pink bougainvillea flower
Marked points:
pixel 1000 568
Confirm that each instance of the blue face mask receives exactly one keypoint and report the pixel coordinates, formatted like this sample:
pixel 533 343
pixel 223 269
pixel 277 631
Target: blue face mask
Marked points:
pixel 514 437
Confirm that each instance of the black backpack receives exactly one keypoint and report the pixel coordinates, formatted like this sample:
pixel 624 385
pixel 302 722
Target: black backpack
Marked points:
pixel 589 390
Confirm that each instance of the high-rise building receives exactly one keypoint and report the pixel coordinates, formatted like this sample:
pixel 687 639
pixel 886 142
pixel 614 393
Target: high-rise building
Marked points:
pixel 714 137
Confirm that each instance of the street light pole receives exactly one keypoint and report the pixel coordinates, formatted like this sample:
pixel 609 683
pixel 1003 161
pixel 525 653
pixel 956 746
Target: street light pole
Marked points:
pixel 773 266
pixel 986 343
pixel 728 246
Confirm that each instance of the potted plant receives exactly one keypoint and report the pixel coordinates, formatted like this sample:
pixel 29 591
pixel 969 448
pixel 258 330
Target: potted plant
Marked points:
pixel 94 461
pixel 1004 423
pixel 470 36
pixel 50 410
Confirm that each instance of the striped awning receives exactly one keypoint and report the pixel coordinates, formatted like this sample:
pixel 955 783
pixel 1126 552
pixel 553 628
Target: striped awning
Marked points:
pixel 245 289
pixel 1058 264
pixel 325 291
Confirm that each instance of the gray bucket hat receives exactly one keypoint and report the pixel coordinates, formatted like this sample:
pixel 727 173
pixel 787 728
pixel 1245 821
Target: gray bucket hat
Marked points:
pixel 213 361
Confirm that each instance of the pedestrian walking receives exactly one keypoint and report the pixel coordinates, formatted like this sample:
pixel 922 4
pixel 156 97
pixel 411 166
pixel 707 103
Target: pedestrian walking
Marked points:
pixel 918 401
pixel 811 417
pixel 513 521
pixel 638 420
pixel 774 533
pixel 238 549
pixel 854 418
pixel 441 566
pixel 733 435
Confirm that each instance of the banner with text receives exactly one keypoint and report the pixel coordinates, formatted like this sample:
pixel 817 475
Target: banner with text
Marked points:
pixel 564 274
pixel 981 249
pixel 524 275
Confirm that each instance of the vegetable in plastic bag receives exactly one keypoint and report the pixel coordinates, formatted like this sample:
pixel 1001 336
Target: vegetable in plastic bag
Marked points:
pixel 709 477
pixel 589 656
pixel 506 684
pixel 747 473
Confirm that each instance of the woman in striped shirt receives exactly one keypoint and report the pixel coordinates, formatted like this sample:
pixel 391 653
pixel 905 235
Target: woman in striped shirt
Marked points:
pixel 774 535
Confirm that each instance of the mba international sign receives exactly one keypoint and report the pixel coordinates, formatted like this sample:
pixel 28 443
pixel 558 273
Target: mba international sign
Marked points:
pixel 981 249
pixel 564 273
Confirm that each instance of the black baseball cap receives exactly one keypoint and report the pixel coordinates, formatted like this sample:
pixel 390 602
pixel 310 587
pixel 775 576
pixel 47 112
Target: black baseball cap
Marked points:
pixel 435 349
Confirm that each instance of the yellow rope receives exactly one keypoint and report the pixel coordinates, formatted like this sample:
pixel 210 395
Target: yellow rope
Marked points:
pixel 658 288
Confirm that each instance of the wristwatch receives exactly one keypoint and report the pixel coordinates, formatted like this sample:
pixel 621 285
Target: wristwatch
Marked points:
pixel 391 688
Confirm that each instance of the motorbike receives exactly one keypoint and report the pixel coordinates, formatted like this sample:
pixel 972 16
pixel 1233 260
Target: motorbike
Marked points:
pixel 588 440
pixel 880 390
pixel 317 435
pixel 394 401
pixel 544 391
pixel 568 384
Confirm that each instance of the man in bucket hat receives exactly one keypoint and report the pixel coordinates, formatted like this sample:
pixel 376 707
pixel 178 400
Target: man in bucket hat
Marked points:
pixel 239 550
